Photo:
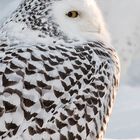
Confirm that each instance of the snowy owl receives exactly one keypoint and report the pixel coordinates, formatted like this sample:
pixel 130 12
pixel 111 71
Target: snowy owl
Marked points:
pixel 58 72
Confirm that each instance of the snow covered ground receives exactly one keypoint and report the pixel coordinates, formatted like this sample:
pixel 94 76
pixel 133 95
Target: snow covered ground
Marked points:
pixel 123 20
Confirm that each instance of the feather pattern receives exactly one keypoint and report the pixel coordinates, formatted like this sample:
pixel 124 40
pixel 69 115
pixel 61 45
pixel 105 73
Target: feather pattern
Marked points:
pixel 60 89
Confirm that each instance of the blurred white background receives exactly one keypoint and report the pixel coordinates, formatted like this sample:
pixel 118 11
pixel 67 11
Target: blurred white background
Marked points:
pixel 123 21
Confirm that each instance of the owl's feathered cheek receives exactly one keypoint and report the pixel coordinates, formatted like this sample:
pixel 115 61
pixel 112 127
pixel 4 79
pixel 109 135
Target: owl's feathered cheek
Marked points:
pixel 90 28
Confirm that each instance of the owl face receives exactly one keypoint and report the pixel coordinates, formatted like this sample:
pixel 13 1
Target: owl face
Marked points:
pixel 66 20
pixel 80 19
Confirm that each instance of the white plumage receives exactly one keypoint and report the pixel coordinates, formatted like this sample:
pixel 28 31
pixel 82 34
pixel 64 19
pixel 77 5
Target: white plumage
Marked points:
pixel 58 72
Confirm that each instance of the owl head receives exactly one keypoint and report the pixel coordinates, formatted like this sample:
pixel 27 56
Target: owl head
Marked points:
pixel 62 19
pixel 80 19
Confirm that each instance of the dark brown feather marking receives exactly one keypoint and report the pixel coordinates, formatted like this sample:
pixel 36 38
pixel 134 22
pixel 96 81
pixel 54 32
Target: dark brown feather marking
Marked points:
pixel 11 126
pixel 9 107
pixel 60 124
pixel 28 103
pixel 1 111
pixel 6 82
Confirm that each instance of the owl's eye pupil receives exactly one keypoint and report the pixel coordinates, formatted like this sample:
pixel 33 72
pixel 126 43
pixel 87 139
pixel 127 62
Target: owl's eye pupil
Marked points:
pixel 72 14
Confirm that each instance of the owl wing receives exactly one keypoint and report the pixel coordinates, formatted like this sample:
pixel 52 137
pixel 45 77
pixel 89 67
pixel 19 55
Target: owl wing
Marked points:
pixel 56 92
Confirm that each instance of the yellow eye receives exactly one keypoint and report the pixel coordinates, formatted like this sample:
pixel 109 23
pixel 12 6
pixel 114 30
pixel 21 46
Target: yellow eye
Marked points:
pixel 72 14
